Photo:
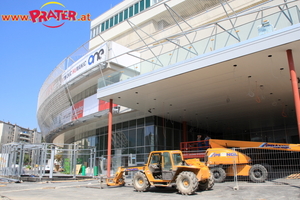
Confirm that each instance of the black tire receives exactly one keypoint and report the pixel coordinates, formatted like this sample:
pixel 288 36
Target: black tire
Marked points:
pixel 187 183
pixel 207 184
pixel 258 173
pixel 140 182
pixel 219 174
pixel 269 169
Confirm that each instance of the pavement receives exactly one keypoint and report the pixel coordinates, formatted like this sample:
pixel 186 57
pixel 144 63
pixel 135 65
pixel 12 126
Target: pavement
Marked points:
pixel 287 189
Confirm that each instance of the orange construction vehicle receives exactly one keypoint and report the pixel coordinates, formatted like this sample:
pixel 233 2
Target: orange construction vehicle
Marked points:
pixel 253 159
pixel 167 168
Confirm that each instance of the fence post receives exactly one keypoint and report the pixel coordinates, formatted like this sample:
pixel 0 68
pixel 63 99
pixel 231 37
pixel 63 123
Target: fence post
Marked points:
pixel 236 186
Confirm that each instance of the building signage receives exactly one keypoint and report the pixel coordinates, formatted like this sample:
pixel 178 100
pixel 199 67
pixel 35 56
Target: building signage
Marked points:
pixel 88 61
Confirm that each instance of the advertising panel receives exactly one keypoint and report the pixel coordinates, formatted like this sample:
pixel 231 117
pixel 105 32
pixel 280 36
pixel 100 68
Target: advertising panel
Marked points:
pixel 90 105
pixel 85 63
pixel 77 111
pixel 66 115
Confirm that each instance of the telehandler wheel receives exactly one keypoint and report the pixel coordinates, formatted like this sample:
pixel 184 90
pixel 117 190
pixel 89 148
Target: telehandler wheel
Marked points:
pixel 140 182
pixel 207 184
pixel 218 173
pixel 258 173
pixel 187 183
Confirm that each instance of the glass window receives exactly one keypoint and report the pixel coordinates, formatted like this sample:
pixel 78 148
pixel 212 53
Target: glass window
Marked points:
pixel 167 164
pixel 125 14
pixel 177 139
pixel 94 32
pixel 150 136
pixel 102 27
pixel 111 22
pixel 160 121
pixel 136 8
pixel 169 138
pixel 132 150
pixel 177 159
pixel 120 16
pixel 119 126
pixel 150 120
pixel 140 158
pixel 125 141
pixel 132 124
pixel 142 5
pixel 160 136
pixel 97 30
pixel 125 125
pixel 125 151
pixel 131 11
pixel 106 24
pixel 132 138
pixel 147 3
pixel 116 21
pixel 140 150
pixel 140 137
pixel 140 122
pixel 155 158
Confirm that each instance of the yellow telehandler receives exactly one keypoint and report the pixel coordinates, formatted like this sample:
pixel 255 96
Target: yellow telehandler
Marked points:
pixel 167 168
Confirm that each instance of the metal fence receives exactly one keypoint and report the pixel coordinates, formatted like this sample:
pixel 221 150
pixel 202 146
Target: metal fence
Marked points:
pixel 38 160
pixel 244 166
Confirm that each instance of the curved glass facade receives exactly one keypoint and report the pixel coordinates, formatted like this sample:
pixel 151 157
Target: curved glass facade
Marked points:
pixel 138 136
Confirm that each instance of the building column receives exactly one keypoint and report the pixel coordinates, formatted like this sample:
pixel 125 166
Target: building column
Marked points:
pixel 294 81
pixel 109 137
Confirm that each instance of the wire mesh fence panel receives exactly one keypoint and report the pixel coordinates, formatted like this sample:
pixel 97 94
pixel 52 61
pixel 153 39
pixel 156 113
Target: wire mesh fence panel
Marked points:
pixel 263 165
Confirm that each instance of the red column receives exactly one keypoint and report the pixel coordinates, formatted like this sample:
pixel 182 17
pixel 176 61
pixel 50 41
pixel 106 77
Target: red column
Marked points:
pixel 109 137
pixel 184 128
pixel 294 81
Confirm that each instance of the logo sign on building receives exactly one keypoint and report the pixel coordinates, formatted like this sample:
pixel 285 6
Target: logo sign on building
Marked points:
pixel 85 63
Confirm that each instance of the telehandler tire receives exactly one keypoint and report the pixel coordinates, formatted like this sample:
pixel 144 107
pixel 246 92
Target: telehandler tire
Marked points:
pixel 258 173
pixel 207 184
pixel 219 174
pixel 140 182
pixel 187 183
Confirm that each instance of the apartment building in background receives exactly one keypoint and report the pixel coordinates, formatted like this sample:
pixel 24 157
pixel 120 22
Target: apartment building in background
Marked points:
pixel 10 133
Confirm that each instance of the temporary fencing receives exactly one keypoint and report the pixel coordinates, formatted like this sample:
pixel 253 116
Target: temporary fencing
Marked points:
pixel 266 166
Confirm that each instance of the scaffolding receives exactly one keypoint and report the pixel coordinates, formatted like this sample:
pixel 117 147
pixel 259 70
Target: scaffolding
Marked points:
pixel 19 159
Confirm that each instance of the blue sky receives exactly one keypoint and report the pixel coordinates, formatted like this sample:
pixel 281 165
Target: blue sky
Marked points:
pixel 30 51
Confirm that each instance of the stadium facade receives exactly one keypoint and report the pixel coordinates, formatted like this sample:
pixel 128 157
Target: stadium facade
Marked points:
pixel 156 73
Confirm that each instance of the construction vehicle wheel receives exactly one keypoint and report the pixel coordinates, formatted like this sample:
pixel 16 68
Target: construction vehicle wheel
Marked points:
pixel 140 182
pixel 269 169
pixel 207 184
pixel 258 173
pixel 187 182
pixel 218 173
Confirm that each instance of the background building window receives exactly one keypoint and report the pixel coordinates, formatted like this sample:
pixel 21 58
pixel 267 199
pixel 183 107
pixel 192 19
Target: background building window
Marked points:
pixel 136 8
pixel 142 5
pixel 126 14
pixel 131 11
pixel 116 21
pixel 120 16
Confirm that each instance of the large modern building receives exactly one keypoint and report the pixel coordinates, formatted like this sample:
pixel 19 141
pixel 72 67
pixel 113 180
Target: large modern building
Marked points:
pixel 10 133
pixel 157 73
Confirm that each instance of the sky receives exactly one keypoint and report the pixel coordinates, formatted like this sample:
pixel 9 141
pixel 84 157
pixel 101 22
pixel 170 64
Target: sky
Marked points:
pixel 30 51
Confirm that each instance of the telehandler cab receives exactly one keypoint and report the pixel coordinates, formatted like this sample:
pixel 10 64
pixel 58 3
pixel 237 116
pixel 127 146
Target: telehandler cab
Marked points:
pixel 167 168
